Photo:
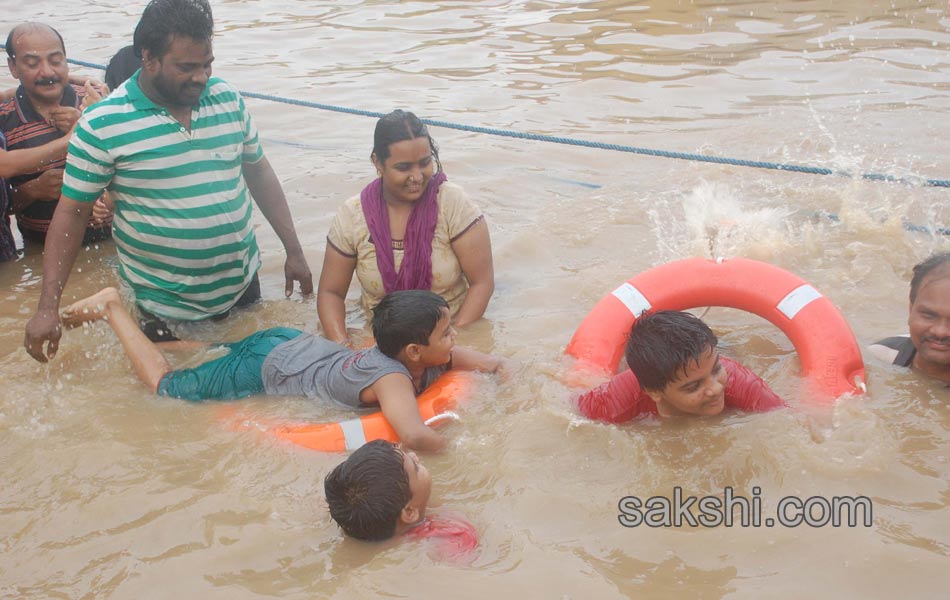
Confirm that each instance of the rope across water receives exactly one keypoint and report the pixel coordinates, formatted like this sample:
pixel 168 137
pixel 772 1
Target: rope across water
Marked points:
pixel 722 160
pixel 617 147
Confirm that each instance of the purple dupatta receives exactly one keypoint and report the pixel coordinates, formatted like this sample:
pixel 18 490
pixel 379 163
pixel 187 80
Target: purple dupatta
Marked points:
pixel 415 271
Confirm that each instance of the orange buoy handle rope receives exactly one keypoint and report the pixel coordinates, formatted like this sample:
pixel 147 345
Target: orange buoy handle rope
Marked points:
pixel 830 356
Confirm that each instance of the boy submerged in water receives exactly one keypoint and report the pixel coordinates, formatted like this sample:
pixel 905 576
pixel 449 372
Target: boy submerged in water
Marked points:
pixel 380 492
pixel 675 369
pixel 415 344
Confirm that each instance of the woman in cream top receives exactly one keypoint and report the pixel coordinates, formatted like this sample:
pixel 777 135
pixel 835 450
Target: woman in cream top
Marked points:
pixel 461 260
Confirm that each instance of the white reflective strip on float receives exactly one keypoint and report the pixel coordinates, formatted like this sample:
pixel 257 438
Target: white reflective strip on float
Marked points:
pixel 631 297
pixel 353 435
pixel 797 299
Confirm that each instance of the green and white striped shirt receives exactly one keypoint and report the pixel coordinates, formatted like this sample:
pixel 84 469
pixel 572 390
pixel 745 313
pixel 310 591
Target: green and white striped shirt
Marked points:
pixel 182 223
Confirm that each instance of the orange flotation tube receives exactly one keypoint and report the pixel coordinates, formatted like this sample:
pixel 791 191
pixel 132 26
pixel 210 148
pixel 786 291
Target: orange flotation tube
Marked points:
pixel 438 399
pixel 829 353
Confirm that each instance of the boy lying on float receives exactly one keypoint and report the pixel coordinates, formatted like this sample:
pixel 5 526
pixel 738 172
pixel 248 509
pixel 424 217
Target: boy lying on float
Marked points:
pixel 415 343
pixel 676 369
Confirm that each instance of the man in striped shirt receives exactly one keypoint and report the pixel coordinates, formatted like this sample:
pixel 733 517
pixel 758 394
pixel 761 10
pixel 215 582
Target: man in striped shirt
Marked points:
pixel 41 115
pixel 181 157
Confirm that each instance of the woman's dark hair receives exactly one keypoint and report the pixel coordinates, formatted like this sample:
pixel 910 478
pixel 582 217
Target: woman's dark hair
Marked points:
pixel 406 317
pixel 925 268
pixel 162 20
pixel 663 344
pixel 398 126
pixel 367 492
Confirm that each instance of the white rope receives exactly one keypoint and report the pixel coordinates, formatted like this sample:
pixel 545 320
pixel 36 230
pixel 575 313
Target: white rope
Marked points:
pixel 442 417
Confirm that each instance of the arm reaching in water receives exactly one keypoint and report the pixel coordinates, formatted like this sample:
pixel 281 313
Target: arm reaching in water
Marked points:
pixel 466 359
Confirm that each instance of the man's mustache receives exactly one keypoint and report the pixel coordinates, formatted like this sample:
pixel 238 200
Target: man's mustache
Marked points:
pixel 49 81
pixel 945 340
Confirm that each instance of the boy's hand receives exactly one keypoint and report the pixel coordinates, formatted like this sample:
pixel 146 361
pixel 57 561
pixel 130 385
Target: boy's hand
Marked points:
pixel 95 91
pixel 100 212
pixel 64 118
pixel 506 369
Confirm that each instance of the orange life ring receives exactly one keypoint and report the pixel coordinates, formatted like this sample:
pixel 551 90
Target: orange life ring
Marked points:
pixel 439 398
pixel 829 353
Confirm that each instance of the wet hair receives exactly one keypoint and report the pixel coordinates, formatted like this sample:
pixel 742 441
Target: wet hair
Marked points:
pixel 29 25
pixel 662 345
pixel 921 270
pixel 162 20
pixel 122 66
pixel 406 317
pixel 367 492
pixel 398 126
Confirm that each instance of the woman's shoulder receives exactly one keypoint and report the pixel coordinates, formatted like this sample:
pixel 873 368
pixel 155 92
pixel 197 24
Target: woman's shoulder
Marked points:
pixel 352 204
pixel 456 212
pixel 450 192
pixel 454 202
pixel 349 226
pixel 351 210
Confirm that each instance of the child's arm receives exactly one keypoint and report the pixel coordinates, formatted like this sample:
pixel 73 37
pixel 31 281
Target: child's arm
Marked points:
pixel 615 401
pixel 397 400
pixel 466 359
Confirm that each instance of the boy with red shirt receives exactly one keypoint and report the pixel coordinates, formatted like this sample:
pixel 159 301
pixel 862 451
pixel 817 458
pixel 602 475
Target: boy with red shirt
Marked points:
pixel 675 370
pixel 382 491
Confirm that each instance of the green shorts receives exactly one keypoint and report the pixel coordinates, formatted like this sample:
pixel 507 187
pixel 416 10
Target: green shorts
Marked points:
pixel 235 375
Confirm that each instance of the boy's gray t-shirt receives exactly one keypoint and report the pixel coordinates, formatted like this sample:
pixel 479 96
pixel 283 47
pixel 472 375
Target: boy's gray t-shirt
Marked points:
pixel 315 367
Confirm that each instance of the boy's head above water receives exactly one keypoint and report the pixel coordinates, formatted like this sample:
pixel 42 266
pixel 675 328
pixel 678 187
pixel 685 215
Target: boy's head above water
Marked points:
pixel 414 326
pixel 378 491
pixel 674 357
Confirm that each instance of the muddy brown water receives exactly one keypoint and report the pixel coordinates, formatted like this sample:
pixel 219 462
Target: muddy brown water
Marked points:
pixel 110 492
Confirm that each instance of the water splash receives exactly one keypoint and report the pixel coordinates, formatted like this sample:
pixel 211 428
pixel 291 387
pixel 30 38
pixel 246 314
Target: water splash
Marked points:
pixel 716 221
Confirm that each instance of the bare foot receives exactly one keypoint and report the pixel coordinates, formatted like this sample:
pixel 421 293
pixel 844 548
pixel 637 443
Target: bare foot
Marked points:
pixel 89 309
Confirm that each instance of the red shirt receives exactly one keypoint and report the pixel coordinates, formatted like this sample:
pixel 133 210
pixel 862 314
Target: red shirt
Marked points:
pixel 622 398
pixel 455 539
